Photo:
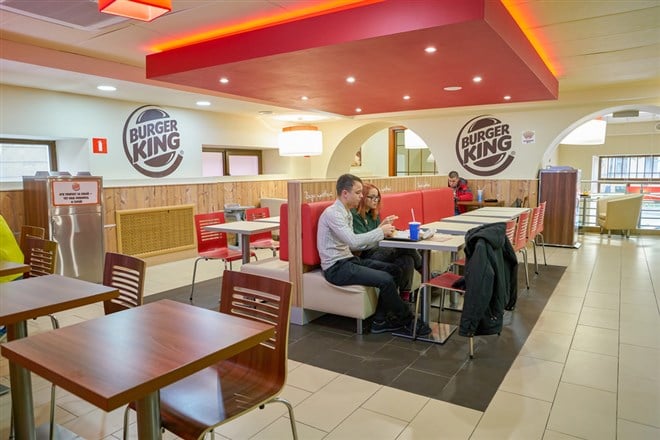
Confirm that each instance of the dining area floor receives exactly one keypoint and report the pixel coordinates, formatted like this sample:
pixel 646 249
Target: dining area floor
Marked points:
pixel 589 368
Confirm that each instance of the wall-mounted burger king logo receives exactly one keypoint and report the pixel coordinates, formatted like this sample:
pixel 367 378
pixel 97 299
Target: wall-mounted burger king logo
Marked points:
pixel 152 141
pixel 483 146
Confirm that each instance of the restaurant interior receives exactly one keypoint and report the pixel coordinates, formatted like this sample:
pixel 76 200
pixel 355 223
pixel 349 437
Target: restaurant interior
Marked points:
pixel 163 118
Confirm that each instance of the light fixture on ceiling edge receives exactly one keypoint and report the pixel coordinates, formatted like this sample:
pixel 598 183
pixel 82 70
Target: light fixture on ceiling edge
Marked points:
pixel 144 10
pixel 300 140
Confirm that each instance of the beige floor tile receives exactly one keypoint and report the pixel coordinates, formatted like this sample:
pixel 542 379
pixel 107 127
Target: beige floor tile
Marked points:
pixel 584 412
pixel 602 300
pixel 511 416
pixel 554 435
pixel 367 425
pixel 604 286
pixel 97 424
pixel 328 407
pixel 639 400
pixel 571 288
pixel 599 318
pixel 310 378
pixel 596 340
pixel 640 333
pixel 252 422
pixel 548 346
pixel 563 303
pixel 532 377
pixel 642 362
pixel 396 403
pixel 433 422
pixel 643 283
pixel 556 322
pixel 281 429
pixel 641 297
pixel 591 370
pixel 639 312
pixel 627 430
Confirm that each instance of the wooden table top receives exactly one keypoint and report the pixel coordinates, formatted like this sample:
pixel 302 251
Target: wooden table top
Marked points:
pixel 121 357
pixel 39 296
pixel 244 227
pixel 11 268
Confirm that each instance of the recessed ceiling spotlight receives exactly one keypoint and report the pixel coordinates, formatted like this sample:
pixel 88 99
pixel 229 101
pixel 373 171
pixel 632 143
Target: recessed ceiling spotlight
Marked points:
pixel 203 103
pixel 304 98
pixel 430 49
pixel 350 79
pixel 358 110
pixel 265 112
pixel 477 79
pixel 406 97
pixel 507 97
pixel 452 88
pixel 224 80
pixel 107 88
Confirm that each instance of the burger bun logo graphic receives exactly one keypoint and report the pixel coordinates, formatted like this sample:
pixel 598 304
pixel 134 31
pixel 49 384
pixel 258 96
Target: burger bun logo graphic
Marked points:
pixel 483 146
pixel 151 142
pixel 75 186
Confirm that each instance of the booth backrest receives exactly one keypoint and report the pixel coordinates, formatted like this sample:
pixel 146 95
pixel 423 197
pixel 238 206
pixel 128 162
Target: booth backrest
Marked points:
pixel 438 203
pixel 429 206
pixel 402 204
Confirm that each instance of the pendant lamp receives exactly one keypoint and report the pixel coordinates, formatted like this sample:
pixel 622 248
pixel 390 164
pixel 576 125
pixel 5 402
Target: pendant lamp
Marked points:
pixel 145 10
pixel 300 140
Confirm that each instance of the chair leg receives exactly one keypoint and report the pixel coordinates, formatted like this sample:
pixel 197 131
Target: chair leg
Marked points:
pixel 359 326
pixel 292 419
pixel 125 433
pixel 540 236
pixel 536 263
pixel 524 254
pixel 192 288
pixel 52 412
pixel 471 344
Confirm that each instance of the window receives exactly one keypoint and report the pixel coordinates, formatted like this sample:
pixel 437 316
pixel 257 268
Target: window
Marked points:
pixel 409 162
pixel 629 167
pixel 23 157
pixel 218 161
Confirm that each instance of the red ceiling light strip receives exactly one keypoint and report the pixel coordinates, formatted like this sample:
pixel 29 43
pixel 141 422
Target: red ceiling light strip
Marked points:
pixel 525 21
pixel 144 10
pixel 260 23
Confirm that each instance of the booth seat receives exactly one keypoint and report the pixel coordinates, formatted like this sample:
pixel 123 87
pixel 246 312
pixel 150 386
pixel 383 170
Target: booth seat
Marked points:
pixel 619 212
pixel 354 301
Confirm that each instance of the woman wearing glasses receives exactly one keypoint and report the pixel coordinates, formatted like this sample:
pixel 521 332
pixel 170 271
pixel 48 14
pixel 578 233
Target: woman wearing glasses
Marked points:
pixel 366 217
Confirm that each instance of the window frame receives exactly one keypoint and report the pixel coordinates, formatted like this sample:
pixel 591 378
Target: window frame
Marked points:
pixel 52 149
pixel 228 152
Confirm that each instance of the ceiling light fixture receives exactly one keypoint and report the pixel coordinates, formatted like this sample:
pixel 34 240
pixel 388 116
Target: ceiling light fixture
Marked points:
pixel 477 79
pixel 412 141
pixel 358 110
pixel 203 103
pixel 430 49
pixel 301 140
pixel 304 98
pixel 224 80
pixel 350 79
pixel 452 88
pixel 406 97
pixel 144 10
pixel 107 88
pixel 507 97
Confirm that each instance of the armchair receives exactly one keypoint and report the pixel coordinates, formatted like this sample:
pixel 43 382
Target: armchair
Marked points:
pixel 619 212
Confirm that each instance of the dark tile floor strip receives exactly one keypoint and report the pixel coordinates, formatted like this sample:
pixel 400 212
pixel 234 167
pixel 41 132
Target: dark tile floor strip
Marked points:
pixel 442 372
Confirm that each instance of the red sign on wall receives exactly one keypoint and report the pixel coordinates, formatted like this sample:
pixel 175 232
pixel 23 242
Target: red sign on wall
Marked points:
pixel 99 146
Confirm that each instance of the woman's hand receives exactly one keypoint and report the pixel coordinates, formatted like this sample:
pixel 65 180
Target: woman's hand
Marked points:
pixel 389 220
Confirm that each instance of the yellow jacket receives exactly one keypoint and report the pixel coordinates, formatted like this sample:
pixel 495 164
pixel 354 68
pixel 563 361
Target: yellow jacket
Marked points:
pixel 9 248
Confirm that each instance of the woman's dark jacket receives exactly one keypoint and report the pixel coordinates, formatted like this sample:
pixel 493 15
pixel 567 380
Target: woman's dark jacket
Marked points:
pixel 491 281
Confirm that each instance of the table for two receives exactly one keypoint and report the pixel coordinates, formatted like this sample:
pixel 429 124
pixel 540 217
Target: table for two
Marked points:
pixel 439 242
pixel 118 358
pixel 245 229
pixel 11 268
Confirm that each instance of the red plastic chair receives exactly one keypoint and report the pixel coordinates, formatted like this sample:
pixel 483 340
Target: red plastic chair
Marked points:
pixel 539 233
pixel 520 244
pixel 265 239
pixel 511 231
pixel 212 245
pixel 533 231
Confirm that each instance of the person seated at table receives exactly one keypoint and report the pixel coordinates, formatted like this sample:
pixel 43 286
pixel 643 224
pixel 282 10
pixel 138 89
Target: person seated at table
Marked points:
pixel 366 217
pixel 461 191
pixel 336 240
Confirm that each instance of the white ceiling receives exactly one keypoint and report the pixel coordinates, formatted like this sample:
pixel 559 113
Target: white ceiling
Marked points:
pixel 593 44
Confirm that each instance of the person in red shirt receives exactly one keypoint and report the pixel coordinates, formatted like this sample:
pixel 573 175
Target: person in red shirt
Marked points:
pixel 461 191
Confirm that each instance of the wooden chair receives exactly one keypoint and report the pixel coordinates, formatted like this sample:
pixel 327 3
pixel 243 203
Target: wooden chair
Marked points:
pixel 194 406
pixel 212 245
pixel 520 244
pixel 30 231
pixel 265 239
pixel 127 274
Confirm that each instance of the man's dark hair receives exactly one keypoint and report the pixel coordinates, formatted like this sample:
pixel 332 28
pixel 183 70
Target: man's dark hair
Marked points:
pixel 453 174
pixel 346 182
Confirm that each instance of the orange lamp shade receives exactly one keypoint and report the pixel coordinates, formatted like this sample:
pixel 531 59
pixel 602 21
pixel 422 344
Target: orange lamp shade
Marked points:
pixel 145 10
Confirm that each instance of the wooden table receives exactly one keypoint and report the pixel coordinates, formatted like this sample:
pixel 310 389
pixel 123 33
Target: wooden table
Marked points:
pixel 29 298
pixel 245 229
pixel 451 228
pixel 477 204
pixel 128 356
pixel 11 268
pixel 474 219
pixel 439 242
